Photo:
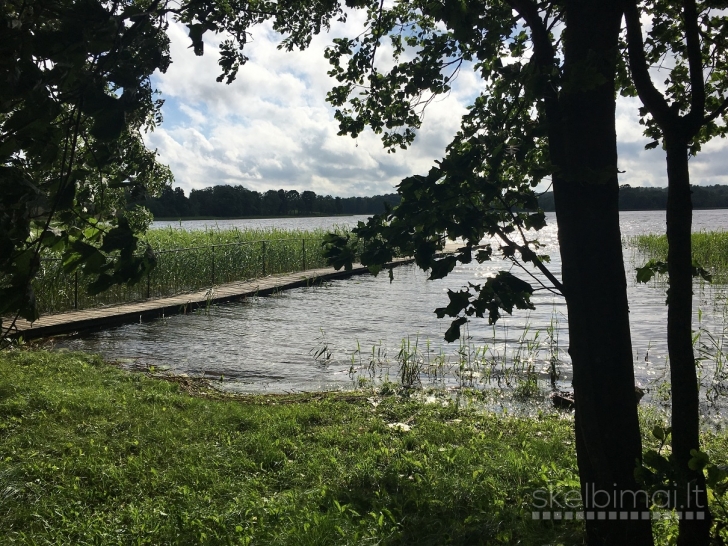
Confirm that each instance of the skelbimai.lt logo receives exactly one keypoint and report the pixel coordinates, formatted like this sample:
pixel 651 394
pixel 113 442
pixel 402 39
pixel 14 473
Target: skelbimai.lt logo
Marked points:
pixel 568 504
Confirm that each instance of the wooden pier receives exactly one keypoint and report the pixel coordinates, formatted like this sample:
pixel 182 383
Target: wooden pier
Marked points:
pixel 96 318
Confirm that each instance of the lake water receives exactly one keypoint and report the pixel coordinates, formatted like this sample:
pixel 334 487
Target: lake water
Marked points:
pixel 314 222
pixel 268 343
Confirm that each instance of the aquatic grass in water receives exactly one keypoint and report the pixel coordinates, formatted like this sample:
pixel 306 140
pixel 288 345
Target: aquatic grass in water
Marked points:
pixel 526 367
pixel 710 250
pixel 188 261
pixel 519 374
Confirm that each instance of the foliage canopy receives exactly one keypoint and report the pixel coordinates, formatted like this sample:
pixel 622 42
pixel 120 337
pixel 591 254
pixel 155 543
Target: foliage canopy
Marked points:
pixel 75 100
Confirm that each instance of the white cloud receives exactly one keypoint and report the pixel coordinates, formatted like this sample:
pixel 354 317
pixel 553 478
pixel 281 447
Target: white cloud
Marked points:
pixel 272 127
pixel 648 167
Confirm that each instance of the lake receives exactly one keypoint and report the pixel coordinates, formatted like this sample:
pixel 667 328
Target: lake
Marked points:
pixel 269 343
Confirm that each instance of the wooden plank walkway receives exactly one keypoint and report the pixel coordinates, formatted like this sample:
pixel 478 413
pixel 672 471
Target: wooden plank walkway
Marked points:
pixel 102 317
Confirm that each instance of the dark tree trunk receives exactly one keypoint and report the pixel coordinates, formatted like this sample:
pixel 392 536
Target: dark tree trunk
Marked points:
pixel 584 151
pixel 678 131
pixel 691 492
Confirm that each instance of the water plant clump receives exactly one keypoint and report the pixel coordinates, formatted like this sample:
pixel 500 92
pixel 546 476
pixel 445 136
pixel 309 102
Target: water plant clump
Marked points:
pixel 710 250
pixel 527 367
pixel 188 261
pixel 525 372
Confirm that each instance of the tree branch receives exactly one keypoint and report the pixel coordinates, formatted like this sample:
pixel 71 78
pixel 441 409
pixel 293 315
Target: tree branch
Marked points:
pixel 525 251
pixel 717 112
pixel 376 30
pixel 695 63
pixel 648 93
pixel 544 53
pixel 535 278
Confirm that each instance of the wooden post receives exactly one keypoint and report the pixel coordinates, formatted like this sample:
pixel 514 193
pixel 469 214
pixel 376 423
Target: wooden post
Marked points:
pixel 263 257
pixel 75 290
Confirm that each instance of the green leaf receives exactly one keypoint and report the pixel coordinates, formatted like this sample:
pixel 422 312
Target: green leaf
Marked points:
pixel 339 252
pixel 453 332
pixel 458 302
pixel 442 267
pixel 698 271
pixel 109 123
pixel 66 196
pixel 660 463
pixel 50 239
pixel 120 237
pixel 483 255
pixel 535 221
pixel 716 476
pixel 699 460
pixel 650 269
pixel 195 32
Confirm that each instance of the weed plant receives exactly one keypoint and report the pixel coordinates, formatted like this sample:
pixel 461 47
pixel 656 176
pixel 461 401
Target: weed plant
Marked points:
pixel 524 367
pixel 188 261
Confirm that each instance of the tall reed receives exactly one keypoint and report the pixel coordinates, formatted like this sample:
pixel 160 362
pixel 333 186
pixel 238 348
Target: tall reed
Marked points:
pixel 710 250
pixel 188 261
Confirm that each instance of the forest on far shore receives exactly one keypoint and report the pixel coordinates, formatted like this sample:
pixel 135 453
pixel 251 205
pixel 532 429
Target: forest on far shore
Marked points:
pixel 637 198
pixel 236 201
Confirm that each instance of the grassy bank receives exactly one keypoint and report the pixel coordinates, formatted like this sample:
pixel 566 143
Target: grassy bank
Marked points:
pixel 710 250
pixel 90 454
pixel 190 260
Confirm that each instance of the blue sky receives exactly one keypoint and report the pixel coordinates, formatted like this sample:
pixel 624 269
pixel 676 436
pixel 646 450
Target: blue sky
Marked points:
pixel 272 127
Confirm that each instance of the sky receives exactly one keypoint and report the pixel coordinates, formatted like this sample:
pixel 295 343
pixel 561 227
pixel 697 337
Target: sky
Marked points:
pixel 272 128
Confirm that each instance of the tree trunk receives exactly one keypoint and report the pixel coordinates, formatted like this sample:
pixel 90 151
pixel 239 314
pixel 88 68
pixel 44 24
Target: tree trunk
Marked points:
pixel 584 151
pixel 691 493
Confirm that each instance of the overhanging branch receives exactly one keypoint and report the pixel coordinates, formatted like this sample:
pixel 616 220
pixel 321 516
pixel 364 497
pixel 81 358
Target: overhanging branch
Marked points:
pixel 648 93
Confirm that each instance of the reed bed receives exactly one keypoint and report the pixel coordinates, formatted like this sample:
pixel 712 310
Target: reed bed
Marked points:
pixel 188 261
pixel 710 250
pixel 527 366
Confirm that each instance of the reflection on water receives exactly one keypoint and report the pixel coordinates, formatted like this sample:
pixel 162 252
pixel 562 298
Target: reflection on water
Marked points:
pixel 270 343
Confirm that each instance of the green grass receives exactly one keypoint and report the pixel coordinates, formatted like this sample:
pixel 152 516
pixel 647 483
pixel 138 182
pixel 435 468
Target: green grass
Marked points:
pixel 190 260
pixel 90 454
pixel 710 250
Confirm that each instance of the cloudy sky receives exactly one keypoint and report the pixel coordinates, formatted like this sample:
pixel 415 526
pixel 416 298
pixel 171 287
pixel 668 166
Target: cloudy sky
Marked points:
pixel 272 127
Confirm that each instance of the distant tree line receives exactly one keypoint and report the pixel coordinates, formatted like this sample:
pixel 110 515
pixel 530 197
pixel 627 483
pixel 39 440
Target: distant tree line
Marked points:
pixel 703 197
pixel 236 201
